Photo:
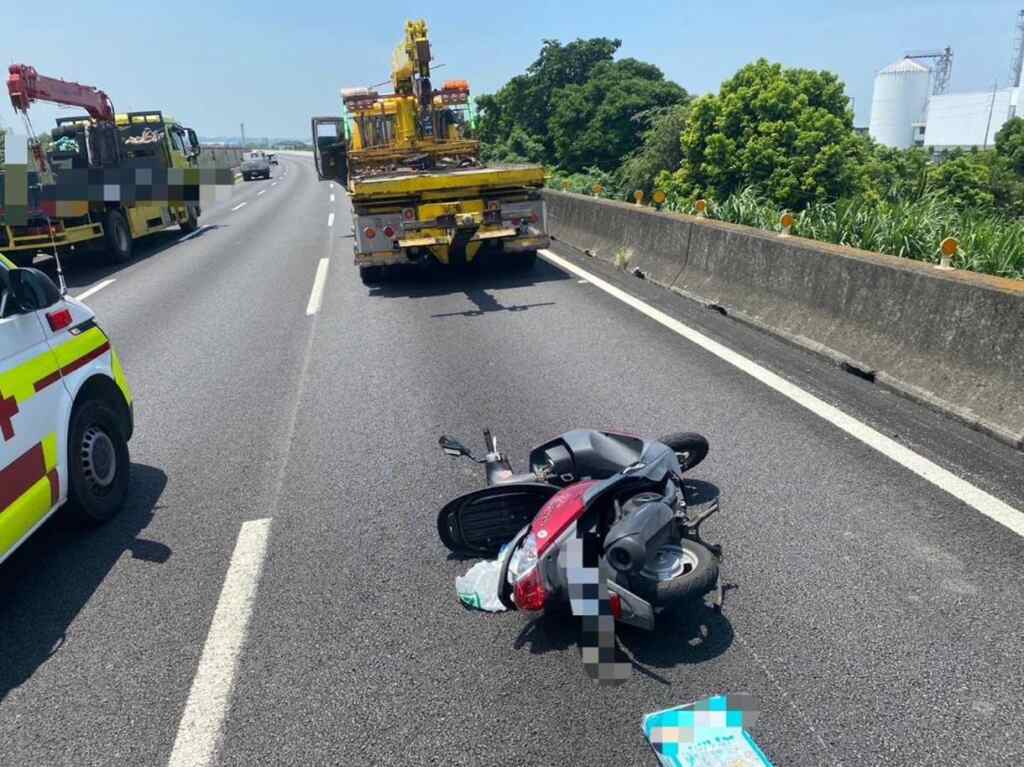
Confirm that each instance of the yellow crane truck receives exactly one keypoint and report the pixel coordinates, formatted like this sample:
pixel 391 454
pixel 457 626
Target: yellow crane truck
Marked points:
pixel 98 141
pixel 418 189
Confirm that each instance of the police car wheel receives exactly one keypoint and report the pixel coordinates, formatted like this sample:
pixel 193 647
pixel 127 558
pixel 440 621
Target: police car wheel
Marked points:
pixel 98 463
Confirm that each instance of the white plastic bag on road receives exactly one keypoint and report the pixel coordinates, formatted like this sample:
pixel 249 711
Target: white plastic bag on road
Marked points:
pixel 478 588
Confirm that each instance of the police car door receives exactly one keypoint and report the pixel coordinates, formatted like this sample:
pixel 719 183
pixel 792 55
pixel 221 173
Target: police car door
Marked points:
pixel 30 408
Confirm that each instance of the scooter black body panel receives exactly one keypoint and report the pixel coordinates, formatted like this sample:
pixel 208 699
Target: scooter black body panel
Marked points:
pixel 583 453
pixel 481 522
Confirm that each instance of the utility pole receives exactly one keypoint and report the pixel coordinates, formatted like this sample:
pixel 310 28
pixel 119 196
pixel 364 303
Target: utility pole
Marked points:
pixel 991 107
pixel 243 135
pixel 1017 64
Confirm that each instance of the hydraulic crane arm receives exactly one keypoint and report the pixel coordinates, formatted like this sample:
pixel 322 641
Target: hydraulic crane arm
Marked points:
pixel 25 85
pixel 410 70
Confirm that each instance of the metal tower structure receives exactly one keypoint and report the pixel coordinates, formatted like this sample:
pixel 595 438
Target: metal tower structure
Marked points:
pixel 1018 53
pixel 942 68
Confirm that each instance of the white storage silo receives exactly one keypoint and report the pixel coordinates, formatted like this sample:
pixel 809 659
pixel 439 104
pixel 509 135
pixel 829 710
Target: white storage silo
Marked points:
pixel 899 101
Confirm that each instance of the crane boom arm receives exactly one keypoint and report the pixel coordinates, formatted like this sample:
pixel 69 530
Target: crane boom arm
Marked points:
pixel 25 85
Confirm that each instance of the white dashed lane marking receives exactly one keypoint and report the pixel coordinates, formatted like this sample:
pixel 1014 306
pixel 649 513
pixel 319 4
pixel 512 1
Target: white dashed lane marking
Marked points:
pixel 201 723
pixel 316 296
pixel 94 289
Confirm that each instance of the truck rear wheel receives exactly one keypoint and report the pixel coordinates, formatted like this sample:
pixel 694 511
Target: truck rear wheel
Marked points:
pixel 191 223
pixel 118 237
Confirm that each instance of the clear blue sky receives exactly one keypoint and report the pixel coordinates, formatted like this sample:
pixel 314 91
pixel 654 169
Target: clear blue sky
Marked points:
pixel 274 64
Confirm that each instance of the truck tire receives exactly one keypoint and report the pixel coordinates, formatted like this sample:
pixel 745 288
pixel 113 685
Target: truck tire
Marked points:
pixel 191 223
pixel 118 237
pixel 371 275
pixel 98 463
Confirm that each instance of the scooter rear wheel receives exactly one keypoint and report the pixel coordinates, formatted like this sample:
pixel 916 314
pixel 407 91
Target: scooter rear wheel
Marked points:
pixel 679 574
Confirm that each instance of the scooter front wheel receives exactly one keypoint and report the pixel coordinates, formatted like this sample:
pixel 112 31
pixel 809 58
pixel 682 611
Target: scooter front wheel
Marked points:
pixel 690 448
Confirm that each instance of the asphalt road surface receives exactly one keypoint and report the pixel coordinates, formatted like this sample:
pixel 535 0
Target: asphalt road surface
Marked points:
pixel 275 592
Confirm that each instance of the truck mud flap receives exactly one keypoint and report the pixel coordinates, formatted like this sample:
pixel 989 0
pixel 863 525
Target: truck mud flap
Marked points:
pixel 481 522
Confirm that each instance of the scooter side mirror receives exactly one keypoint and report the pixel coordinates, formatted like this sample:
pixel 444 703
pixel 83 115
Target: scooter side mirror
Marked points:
pixel 453 447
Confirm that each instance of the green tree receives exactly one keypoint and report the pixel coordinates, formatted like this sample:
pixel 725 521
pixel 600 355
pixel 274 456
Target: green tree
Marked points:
pixel 965 179
pixel 788 132
pixel 659 151
pixel 592 125
pixel 526 101
pixel 1010 144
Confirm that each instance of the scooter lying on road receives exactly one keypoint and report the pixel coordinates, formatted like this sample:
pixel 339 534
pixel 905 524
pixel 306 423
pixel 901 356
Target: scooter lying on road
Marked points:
pixel 624 498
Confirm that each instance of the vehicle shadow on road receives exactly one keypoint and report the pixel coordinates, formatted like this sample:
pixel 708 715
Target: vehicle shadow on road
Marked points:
pixel 431 281
pixel 695 636
pixel 48 581
pixel 86 267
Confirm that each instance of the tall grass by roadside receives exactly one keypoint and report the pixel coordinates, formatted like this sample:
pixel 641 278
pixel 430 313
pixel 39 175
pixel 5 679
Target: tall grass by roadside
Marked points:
pixel 912 229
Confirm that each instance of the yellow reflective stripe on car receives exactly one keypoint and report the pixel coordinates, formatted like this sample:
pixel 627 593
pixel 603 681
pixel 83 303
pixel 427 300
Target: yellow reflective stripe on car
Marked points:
pixel 119 377
pixel 50 452
pixel 79 346
pixel 29 488
pixel 20 382
pixel 7 262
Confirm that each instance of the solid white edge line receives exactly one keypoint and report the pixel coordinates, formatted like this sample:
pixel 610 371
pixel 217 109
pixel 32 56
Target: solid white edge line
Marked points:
pixel 196 233
pixel 976 498
pixel 330 220
pixel 240 205
pixel 316 296
pixel 201 723
pixel 94 289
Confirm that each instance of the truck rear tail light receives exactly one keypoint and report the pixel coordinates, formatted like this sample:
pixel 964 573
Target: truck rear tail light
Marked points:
pixel 389 232
pixel 59 319
pixel 370 232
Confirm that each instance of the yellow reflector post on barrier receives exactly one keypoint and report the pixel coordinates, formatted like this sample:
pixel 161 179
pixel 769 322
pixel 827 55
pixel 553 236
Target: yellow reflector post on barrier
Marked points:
pixel 949 248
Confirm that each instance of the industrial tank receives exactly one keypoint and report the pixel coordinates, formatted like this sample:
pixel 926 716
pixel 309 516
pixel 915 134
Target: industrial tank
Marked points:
pixel 899 101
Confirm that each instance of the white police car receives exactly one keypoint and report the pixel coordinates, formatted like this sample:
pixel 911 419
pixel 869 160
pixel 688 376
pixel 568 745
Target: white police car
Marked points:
pixel 65 409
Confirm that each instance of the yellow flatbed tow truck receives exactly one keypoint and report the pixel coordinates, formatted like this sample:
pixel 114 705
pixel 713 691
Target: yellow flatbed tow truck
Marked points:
pixel 418 190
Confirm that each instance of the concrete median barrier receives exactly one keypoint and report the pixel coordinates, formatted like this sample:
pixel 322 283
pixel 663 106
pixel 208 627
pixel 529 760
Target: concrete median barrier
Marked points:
pixel 950 339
